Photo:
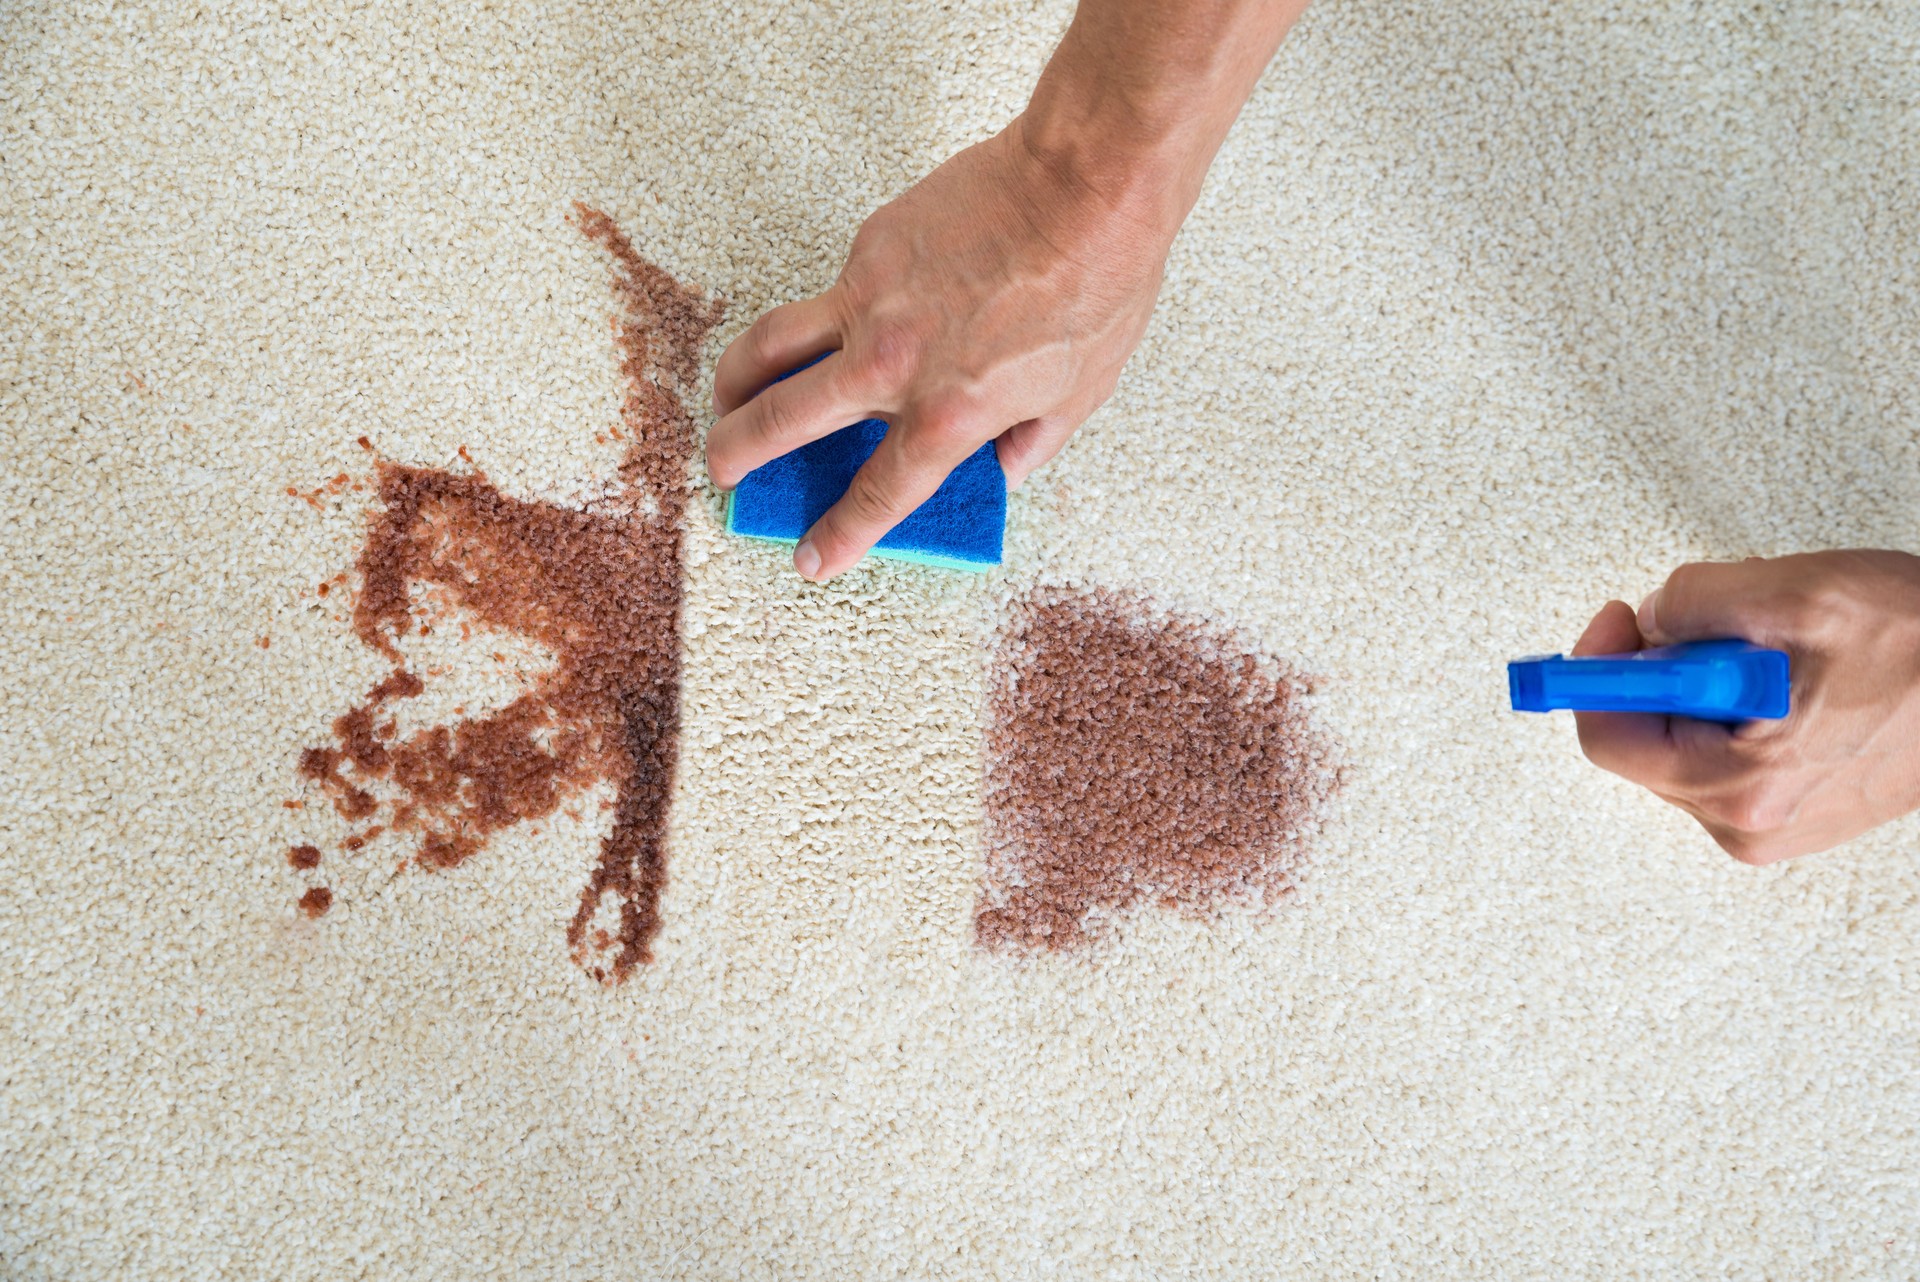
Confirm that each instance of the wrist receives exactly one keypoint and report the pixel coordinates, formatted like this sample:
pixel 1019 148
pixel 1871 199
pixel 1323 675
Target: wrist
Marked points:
pixel 1137 99
pixel 1093 159
pixel 1126 150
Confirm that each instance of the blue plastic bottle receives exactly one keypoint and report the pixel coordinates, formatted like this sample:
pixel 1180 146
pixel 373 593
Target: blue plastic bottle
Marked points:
pixel 1706 680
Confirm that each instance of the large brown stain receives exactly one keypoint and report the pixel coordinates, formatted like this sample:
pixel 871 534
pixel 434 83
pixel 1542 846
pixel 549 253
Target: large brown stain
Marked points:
pixel 1138 758
pixel 600 589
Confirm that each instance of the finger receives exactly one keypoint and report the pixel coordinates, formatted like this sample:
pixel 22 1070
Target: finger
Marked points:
pixel 789 335
pixel 1612 631
pixel 1616 741
pixel 1706 600
pixel 1637 746
pixel 781 419
pixel 1677 757
pixel 903 473
pixel 1024 447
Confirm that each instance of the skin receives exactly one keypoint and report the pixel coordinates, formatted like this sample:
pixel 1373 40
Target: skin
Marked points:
pixel 999 298
pixel 1846 759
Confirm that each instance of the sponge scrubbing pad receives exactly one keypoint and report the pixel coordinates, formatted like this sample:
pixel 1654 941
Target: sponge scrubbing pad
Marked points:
pixel 960 528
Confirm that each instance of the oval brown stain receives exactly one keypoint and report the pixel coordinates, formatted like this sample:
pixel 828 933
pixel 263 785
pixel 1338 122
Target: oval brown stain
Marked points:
pixel 1135 758
pixel 600 589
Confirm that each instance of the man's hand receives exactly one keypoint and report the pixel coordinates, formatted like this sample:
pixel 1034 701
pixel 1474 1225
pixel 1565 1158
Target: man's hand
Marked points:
pixel 1848 756
pixel 999 298
pixel 993 300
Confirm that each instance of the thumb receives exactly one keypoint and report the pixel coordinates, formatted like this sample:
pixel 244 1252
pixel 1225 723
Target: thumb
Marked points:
pixel 1629 744
pixel 1611 632
pixel 1705 601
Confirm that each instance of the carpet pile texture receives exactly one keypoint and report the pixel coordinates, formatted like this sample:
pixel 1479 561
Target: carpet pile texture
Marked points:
pixel 432 847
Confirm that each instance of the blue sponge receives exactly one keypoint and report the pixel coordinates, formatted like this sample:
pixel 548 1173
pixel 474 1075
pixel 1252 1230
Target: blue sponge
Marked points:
pixel 959 528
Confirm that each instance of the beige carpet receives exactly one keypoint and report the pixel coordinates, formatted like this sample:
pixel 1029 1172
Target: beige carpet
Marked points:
pixel 1490 311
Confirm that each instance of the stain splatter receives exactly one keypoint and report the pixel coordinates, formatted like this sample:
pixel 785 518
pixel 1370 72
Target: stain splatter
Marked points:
pixel 316 901
pixel 600 589
pixel 304 857
pixel 1135 758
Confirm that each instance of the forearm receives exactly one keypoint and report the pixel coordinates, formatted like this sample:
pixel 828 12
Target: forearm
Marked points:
pixel 1141 93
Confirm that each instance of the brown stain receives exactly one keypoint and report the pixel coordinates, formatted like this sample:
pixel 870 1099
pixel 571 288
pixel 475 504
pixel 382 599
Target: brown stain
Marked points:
pixel 304 856
pixel 316 901
pixel 600 589
pixel 1134 758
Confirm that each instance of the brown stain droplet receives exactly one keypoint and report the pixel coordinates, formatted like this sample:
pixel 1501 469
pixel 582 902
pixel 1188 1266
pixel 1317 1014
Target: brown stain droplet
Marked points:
pixel 600 589
pixel 358 840
pixel 304 856
pixel 1135 757
pixel 316 901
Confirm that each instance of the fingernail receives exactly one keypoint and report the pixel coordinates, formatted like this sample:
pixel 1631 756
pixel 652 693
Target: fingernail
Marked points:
pixel 1647 614
pixel 806 559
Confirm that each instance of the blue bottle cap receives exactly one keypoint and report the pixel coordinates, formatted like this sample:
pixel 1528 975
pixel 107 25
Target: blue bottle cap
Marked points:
pixel 1707 680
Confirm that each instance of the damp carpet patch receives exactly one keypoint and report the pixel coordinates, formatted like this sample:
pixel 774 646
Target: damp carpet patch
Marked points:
pixel 433 847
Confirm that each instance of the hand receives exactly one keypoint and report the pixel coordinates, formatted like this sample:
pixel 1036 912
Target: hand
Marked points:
pixel 995 300
pixel 998 299
pixel 1846 759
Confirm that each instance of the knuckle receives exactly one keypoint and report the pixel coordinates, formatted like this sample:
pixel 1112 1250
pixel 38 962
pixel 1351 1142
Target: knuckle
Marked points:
pixel 890 351
pixel 1824 612
pixel 1752 809
pixel 1684 582
pixel 872 238
pixel 777 421
pixel 881 249
pixel 1804 609
pixel 944 424
pixel 1744 848
pixel 870 501
pixel 760 337
pixel 936 434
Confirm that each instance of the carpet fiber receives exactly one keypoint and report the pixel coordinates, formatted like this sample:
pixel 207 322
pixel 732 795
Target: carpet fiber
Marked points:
pixel 433 848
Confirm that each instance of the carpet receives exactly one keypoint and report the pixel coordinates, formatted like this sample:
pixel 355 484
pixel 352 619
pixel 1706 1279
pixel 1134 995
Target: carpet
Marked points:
pixel 433 848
